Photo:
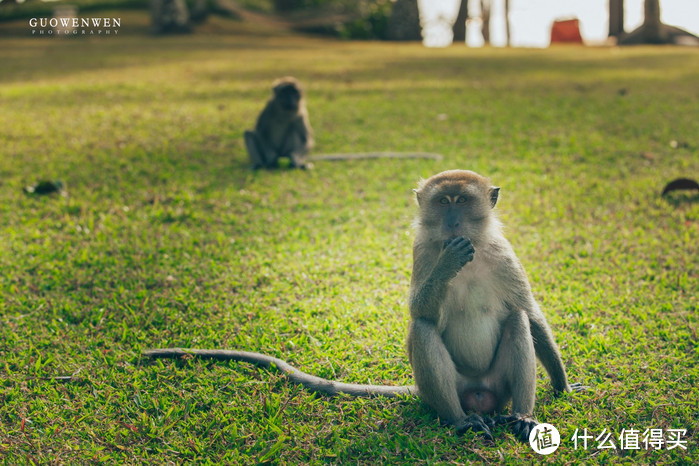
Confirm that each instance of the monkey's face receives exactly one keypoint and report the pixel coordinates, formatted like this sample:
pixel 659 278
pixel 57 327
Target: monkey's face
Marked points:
pixel 455 203
pixel 288 95
pixel 459 212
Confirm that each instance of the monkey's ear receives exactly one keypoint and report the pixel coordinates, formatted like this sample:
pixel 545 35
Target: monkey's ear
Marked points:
pixel 494 191
pixel 417 196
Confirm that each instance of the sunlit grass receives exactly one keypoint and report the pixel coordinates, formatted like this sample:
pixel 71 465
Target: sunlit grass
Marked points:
pixel 167 239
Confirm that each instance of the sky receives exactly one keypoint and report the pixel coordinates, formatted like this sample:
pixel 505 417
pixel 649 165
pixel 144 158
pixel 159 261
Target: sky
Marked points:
pixel 530 20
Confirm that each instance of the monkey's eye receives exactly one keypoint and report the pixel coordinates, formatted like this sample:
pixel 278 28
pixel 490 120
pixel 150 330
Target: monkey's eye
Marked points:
pixel 461 200
pixel 444 201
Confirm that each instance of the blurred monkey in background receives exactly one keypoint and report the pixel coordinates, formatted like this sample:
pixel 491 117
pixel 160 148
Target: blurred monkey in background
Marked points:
pixel 282 129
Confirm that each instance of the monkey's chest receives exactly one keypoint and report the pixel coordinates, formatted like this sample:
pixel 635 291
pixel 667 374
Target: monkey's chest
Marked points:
pixel 279 139
pixel 283 138
pixel 471 326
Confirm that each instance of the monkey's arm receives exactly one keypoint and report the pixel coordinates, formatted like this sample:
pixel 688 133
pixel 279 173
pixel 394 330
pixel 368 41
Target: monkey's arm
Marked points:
pixel 547 351
pixel 298 142
pixel 545 345
pixel 432 272
pixel 311 382
pixel 303 127
pixel 269 153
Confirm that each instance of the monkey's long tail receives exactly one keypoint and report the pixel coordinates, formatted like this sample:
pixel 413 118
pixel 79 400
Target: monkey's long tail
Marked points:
pixel 376 155
pixel 311 382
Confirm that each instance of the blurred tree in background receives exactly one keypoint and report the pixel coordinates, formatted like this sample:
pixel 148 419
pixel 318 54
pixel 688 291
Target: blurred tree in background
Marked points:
pixel 459 28
pixel 404 21
pixel 654 31
pixel 349 19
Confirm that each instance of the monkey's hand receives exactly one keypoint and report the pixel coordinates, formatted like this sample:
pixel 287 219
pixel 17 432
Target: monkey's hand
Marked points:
pixel 521 425
pixel 477 424
pixel 456 253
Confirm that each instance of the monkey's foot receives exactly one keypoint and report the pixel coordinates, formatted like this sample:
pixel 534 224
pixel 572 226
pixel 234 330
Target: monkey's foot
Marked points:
pixel 578 387
pixel 521 425
pixel 478 425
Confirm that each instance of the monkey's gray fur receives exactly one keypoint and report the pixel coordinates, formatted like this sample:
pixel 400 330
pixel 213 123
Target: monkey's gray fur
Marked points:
pixel 476 328
pixel 282 129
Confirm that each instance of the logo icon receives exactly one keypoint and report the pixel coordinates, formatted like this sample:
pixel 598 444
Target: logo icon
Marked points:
pixel 544 439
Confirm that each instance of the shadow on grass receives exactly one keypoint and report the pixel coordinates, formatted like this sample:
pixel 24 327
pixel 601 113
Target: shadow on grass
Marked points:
pixel 681 199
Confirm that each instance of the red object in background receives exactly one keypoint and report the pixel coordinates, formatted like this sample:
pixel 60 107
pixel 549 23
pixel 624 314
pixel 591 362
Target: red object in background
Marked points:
pixel 566 31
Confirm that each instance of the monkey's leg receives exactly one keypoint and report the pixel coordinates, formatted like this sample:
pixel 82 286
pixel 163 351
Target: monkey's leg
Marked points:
pixel 261 154
pixel 547 351
pixel 252 145
pixel 515 363
pixel 296 150
pixel 435 376
pixel 270 156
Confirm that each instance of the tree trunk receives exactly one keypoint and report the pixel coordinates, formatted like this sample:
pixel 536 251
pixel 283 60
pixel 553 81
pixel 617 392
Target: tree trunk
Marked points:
pixel 459 28
pixel 485 19
pixel 169 16
pixel 652 31
pixel 283 6
pixel 200 11
pixel 651 17
pixel 616 18
pixel 507 23
pixel 404 22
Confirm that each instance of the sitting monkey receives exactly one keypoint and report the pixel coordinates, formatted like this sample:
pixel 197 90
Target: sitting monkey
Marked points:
pixel 282 129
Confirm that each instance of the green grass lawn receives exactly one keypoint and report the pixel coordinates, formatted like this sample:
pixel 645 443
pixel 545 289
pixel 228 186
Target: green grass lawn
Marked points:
pixel 167 239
